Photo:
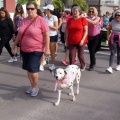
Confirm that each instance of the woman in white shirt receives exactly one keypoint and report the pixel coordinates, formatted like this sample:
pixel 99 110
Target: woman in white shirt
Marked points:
pixel 52 20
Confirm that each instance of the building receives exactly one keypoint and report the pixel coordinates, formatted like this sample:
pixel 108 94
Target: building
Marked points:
pixel 104 5
pixel 10 5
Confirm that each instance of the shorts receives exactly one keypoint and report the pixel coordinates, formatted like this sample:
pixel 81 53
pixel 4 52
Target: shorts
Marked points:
pixel 16 33
pixel 31 61
pixel 53 38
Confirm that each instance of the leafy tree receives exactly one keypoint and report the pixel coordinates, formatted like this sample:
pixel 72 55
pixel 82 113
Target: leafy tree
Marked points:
pixel 81 3
pixel 59 3
pixel 62 3
pixel 24 1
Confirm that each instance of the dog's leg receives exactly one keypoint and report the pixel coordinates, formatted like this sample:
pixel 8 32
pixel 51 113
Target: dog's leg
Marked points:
pixel 72 93
pixel 77 91
pixel 78 76
pixel 59 95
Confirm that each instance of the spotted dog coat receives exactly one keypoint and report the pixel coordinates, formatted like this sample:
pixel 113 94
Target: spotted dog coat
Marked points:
pixel 65 79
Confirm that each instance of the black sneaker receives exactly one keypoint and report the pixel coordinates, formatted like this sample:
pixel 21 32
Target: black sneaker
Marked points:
pixel 91 68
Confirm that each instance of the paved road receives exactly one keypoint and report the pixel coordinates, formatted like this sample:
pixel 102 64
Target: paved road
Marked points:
pixel 99 97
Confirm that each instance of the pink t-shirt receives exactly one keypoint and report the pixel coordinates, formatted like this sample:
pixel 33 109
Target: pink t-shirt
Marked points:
pixel 93 30
pixel 33 37
pixel 68 17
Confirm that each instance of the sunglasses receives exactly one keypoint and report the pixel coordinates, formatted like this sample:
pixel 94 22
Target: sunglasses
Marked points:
pixel 117 15
pixel 30 9
pixel 91 11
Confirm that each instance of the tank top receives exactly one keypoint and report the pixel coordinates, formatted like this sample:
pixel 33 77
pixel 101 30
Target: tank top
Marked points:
pixel 93 29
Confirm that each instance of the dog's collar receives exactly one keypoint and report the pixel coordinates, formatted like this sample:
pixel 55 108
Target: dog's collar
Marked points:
pixel 64 78
pixel 59 81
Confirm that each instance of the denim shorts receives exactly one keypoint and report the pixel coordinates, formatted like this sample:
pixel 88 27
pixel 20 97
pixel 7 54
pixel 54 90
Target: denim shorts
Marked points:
pixel 31 61
pixel 54 38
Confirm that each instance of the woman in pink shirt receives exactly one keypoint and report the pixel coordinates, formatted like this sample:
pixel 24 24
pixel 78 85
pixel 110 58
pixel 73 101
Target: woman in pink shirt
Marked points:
pixel 93 35
pixel 34 42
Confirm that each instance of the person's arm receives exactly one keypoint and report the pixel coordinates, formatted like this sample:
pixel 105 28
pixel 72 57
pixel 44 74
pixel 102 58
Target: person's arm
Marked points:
pixel 109 31
pixel 59 22
pixel 55 27
pixel 47 42
pixel 84 35
pixel 11 26
pixel 94 21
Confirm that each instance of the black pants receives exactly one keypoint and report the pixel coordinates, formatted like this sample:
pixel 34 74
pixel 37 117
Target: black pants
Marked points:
pixel 4 42
pixel 62 37
pixel 93 44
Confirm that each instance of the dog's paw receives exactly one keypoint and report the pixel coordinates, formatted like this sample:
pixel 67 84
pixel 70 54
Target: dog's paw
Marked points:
pixel 70 94
pixel 74 99
pixel 56 104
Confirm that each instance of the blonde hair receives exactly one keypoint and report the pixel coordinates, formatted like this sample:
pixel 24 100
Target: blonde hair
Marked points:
pixel 94 9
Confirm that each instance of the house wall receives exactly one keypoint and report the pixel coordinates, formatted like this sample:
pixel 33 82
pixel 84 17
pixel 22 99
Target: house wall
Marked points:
pixel 10 5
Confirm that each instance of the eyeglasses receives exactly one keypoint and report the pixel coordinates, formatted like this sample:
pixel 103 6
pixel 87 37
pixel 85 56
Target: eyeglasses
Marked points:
pixel 91 11
pixel 117 15
pixel 30 9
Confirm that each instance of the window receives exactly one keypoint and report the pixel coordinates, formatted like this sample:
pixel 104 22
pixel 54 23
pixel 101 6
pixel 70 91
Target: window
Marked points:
pixel 1 3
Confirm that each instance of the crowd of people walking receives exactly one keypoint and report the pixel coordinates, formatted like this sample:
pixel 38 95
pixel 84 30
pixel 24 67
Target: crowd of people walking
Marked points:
pixel 36 34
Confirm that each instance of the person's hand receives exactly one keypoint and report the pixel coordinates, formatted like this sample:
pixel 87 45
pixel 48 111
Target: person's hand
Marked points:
pixel 66 43
pixel 47 52
pixel 81 42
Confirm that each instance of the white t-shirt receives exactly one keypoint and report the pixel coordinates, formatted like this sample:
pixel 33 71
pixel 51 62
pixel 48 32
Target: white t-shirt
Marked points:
pixel 51 23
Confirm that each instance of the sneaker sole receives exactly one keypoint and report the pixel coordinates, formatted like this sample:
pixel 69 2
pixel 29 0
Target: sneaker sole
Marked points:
pixel 109 72
pixel 35 94
pixel 64 63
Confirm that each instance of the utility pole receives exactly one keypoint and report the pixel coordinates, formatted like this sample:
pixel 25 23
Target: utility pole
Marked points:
pixel 119 4
pixel 99 4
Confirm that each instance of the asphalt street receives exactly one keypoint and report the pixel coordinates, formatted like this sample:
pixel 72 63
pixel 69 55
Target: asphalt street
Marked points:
pixel 99 97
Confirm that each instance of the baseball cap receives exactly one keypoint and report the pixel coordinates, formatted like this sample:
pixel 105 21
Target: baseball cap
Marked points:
pixel 50 7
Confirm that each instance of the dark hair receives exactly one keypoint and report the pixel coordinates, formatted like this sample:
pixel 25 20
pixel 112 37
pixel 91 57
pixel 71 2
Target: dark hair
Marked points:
pixel 39 12
pixel 20 6
pixel 16 10
pixel 7 15
pixel 32 3
pixel 56 12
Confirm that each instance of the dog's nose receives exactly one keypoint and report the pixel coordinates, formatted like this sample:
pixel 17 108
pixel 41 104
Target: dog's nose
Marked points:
pixel 56 77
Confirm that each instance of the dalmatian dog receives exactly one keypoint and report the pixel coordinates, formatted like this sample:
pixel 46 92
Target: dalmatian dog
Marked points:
pixel 65 79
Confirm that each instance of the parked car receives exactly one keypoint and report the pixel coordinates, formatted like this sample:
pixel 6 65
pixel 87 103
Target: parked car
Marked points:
pixel 104 41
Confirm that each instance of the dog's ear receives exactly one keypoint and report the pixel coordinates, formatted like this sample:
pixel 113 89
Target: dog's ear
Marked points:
pixel 53 72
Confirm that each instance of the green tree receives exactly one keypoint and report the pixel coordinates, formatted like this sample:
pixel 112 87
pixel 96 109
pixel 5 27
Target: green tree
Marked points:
pixel 81 3
pixel 24 1
pixel 59 3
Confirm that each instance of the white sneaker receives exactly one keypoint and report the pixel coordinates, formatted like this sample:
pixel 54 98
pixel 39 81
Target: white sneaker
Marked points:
pixel 41 68
pixel 118 68
pixel 52 67
pixel 34 92
pixel 110 70
pixel 12 59
pixel 28 91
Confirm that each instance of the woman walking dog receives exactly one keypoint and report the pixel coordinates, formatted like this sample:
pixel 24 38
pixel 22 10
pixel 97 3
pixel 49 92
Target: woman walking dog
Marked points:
pixel 33 36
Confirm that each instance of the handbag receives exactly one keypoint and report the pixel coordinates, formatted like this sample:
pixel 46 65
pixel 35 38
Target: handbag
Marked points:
pixel 25 31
